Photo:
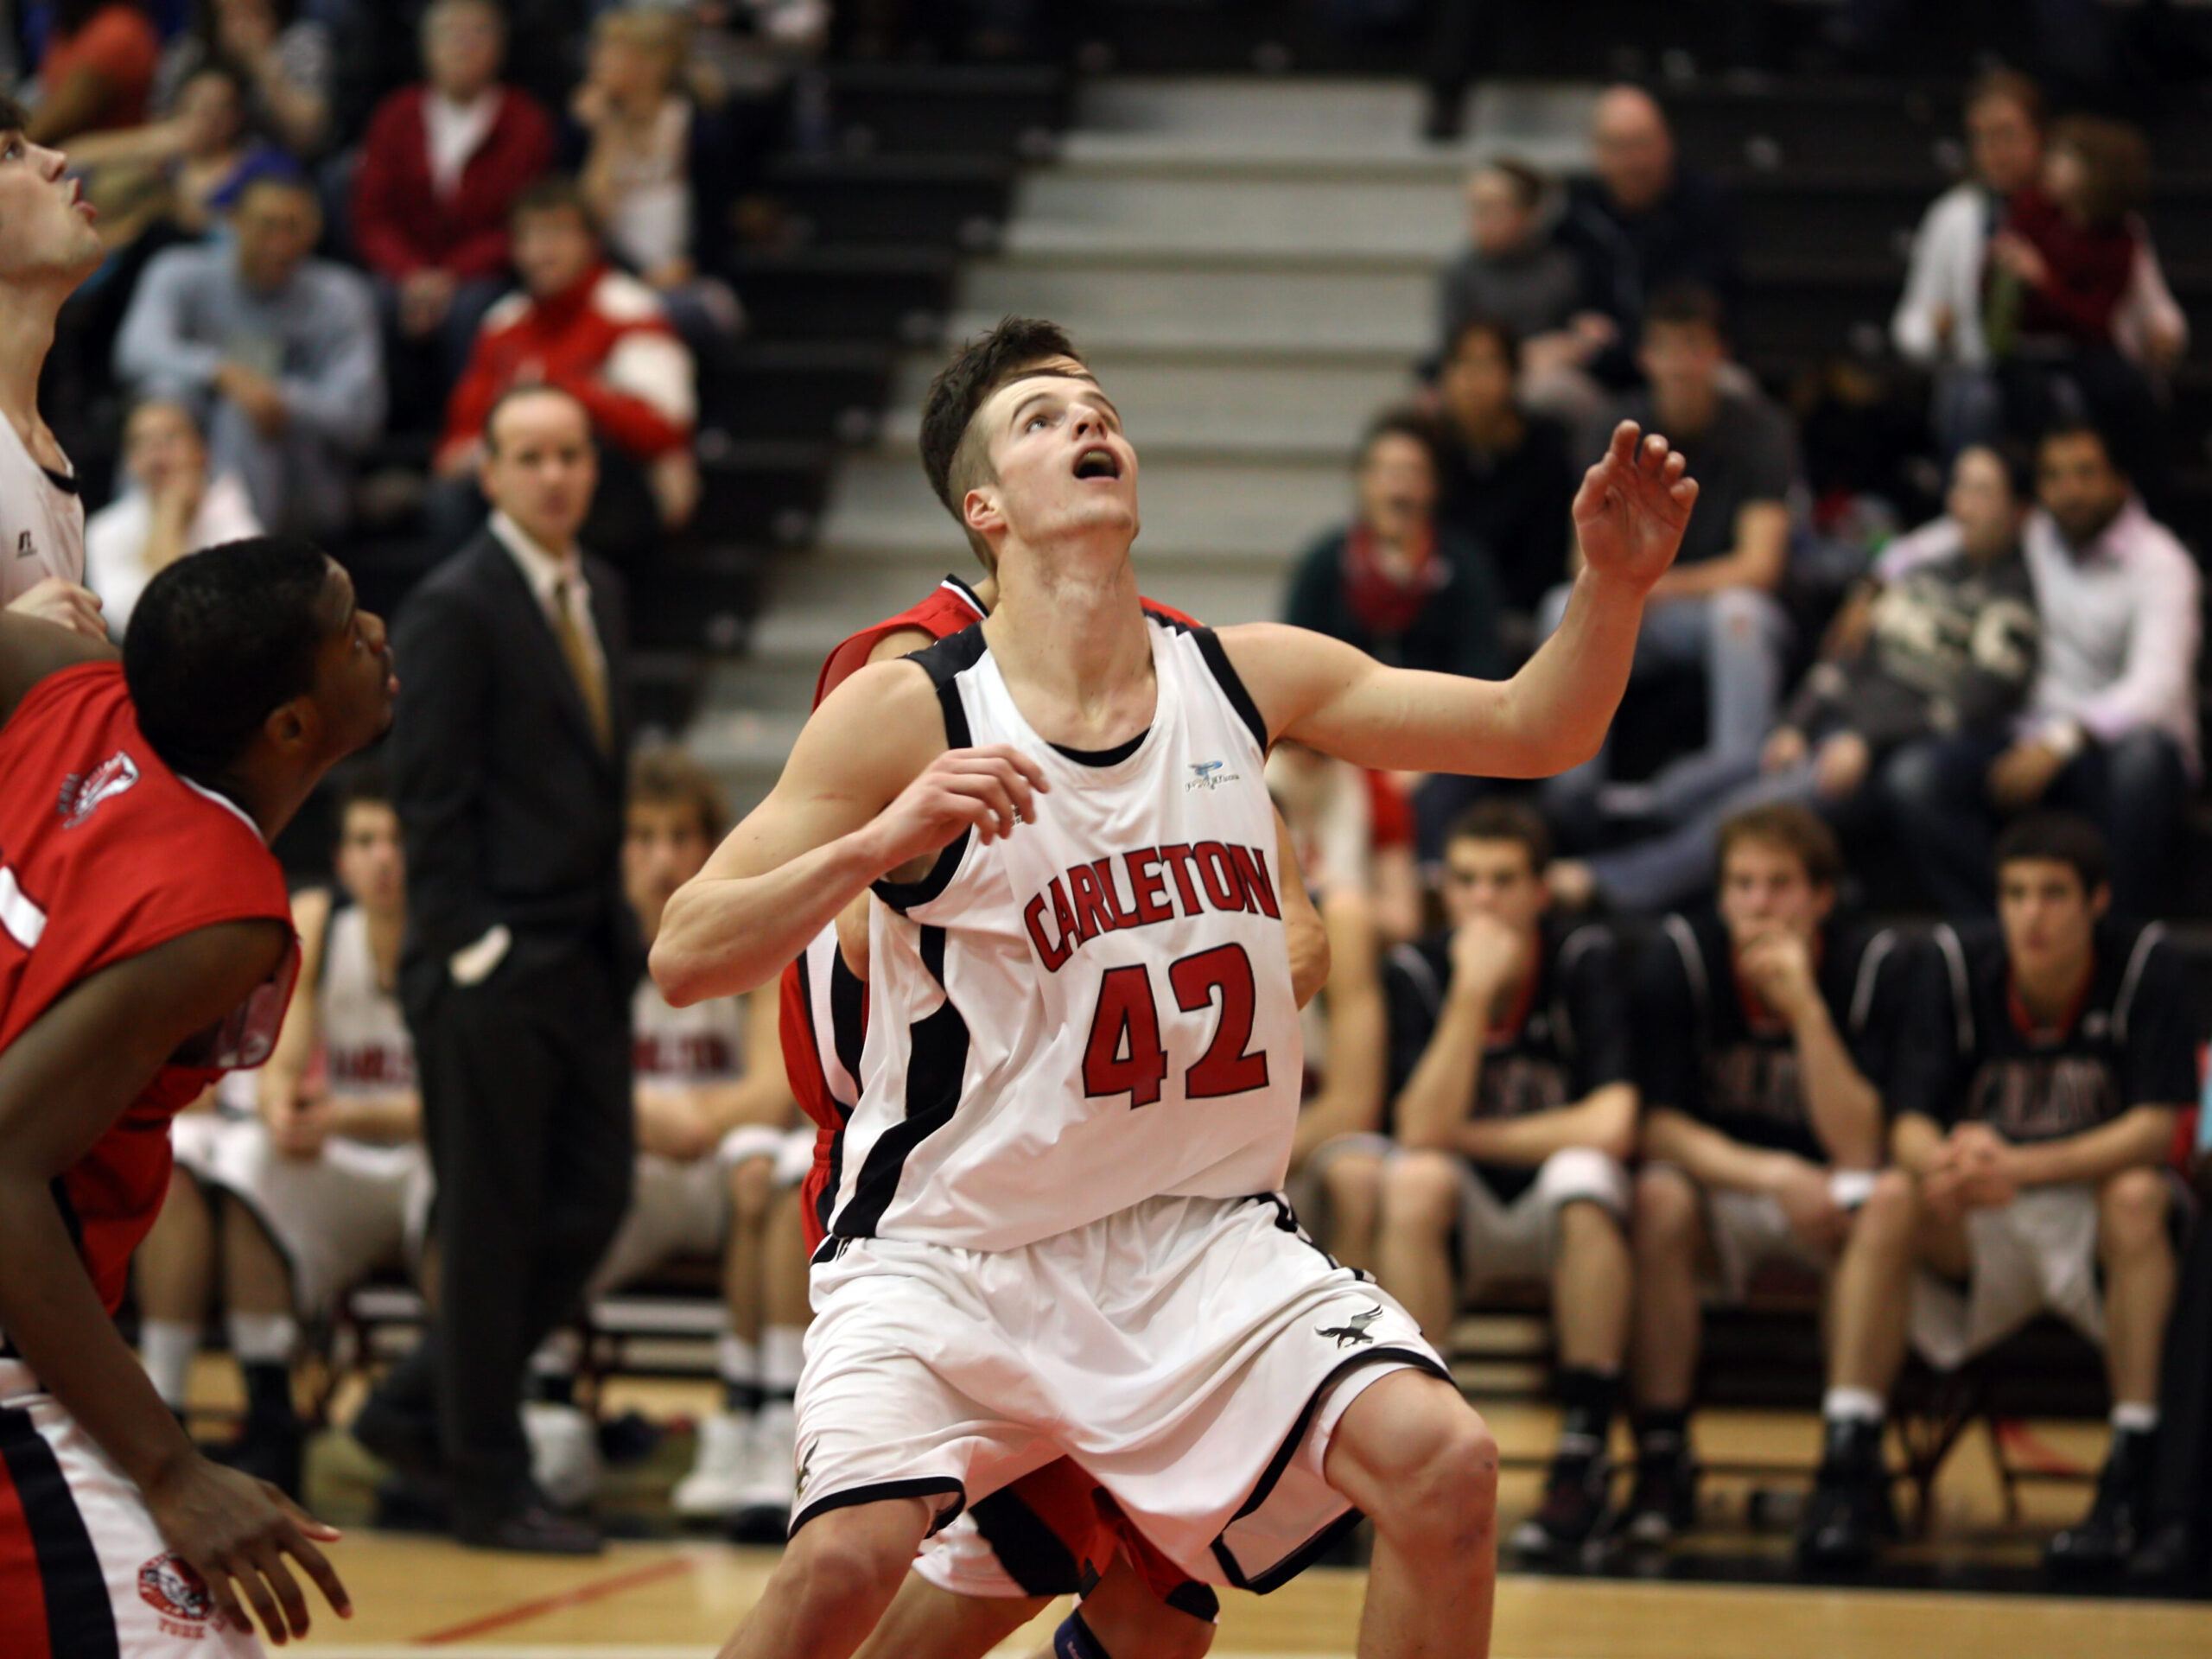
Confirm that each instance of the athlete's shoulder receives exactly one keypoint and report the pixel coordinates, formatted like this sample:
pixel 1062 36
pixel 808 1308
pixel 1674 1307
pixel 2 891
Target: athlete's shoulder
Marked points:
pixel 949 608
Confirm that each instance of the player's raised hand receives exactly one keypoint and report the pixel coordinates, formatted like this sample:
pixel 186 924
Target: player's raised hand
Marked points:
pixel 236 1532
pixel 1633 506
pixel 989 789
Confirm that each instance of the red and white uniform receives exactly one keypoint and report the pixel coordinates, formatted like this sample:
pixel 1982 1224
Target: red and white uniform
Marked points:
pixel 106 853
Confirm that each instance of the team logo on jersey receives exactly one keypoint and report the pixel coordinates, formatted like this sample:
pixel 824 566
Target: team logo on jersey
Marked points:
pixel 1352 1333
pixel 1094 899
pixel 172 1587
pixel 82 792
pixel 1209 776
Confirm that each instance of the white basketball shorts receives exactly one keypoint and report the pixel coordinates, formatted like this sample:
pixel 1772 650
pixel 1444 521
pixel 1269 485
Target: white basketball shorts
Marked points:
pixel 1500 1241
pixel 2038 1252
pixel 1194 1355
pixel 681 1207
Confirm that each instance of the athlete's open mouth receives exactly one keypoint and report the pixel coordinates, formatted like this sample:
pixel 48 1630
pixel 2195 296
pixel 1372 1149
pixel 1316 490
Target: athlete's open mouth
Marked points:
pixel 1098 463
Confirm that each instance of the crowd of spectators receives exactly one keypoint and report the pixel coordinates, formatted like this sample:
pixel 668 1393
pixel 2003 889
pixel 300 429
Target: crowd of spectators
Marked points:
pixel 1657 1042
pixel 307 237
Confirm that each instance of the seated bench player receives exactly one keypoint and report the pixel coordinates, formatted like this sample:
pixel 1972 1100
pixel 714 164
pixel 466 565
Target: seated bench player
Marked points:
pixel 719 1165
pixel 329 1180
pixel 1515 1118
pixel 1772 1037
pixel 2041 1176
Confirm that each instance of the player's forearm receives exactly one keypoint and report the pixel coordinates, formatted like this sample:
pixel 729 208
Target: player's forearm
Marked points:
pixel 49 1310
pixel 1432 1106
pixel 1708 1156
pixel 2137 1138
pixel 383 1120
pixel 1603 1122
pixel 723 936
pixel 1560 704
pixel 765 1101
pixel 1846 1109
pixel 1916 1143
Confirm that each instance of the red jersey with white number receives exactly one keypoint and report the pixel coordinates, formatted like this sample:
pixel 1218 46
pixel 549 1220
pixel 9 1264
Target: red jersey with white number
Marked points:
pixel 1096 1009
pixel 104 854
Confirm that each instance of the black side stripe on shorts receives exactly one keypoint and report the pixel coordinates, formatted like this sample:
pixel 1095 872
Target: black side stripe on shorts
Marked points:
pixel 936 1061
pixel 1278 1574
pixel 79 1619
pixel 920 1486
pixel 1033 1555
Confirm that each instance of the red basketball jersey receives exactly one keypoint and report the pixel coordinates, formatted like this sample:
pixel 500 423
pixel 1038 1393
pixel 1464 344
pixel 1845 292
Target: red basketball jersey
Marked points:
pixel 809 1008
pixel 105 853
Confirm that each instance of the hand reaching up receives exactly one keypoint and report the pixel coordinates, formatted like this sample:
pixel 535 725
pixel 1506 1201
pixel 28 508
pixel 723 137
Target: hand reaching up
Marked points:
pixel 1633 506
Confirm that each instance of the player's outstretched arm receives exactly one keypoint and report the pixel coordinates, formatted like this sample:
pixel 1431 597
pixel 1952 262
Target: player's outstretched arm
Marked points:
pixel 1629 517
pixel 31 649
pixel 870 789
pixel 63 1083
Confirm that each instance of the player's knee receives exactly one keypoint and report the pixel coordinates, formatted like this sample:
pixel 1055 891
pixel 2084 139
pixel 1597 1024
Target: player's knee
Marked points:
pixel 753 1188
pixel 1440 1495
pixel 1666 1214
pixel 839 1560
pixel 1354 1184
pixel 1890 1214
pixel 2132 1212
pixel 1420 1192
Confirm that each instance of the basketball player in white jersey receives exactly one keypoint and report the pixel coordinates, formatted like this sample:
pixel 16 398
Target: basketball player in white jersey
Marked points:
pixel 329 1180
pixel 1055 1229
pixel 47 246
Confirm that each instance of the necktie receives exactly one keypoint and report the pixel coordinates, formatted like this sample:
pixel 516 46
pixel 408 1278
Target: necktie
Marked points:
pixel 590 680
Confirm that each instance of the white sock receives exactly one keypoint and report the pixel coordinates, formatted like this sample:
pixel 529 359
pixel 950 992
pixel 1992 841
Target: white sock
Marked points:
pixel 1853 1405
pixel 562 1354
pixel 2134 1417
pixel 263 1339
pixel 736 1360
pixel 166 1348
pixel 782 1353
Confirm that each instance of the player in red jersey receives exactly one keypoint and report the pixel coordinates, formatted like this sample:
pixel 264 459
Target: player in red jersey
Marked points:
pixel 1053 1532
pixel 146 947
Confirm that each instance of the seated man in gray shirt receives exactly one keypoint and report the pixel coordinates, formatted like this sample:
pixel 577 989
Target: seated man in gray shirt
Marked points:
pixel 277 351
pixel 2110 726
pixel 1716 609
pixel 1942 646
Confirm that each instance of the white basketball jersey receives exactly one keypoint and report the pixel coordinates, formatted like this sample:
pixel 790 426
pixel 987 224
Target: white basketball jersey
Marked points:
pixel 1096 1010
pixel 42 522
pixel 704 1043
pixel 366 1047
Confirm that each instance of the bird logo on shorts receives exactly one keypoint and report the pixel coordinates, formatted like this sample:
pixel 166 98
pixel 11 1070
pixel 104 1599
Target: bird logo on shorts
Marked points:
pixel 806 1463
pixel 1352 1332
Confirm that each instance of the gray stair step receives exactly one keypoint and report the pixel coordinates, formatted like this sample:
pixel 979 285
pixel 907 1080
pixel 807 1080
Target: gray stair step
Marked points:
pixel 1290 215
pixel 1180 304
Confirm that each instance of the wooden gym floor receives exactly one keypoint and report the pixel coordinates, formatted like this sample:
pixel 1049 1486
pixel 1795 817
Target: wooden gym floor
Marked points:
pixel 1969 1590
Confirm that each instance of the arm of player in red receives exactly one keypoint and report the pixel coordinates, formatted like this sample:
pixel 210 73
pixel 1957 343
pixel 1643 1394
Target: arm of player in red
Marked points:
pixel 63 1083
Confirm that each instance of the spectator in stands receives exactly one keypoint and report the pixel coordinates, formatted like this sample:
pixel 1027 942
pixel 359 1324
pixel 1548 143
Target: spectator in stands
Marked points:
pixel 1774 1039
pixel 1715 610
pixel 2040 1165
pixel 1941 645
pixel 720 1152
pixel 654 167
pixel 440 169
pixel 287 59
pixel 1514 275
pixel 1516 1114
pixel 2110 729
pixel 1646 223
pixel 1508 474
pixel 97 72
pixel 193 156
pixel 1396 583
pixel 172 507
pixel 1942 321
pixel 595 333
pixel 280 350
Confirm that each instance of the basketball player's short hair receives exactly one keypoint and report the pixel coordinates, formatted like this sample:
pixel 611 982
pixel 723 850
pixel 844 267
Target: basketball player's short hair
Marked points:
pixel 554 193
pixel 2058 838
pixel 219 641
pixel 363 783
pixel 956 457
pixel 14 118
pixel 665 775
pixel 1503 818
pixel 1795 828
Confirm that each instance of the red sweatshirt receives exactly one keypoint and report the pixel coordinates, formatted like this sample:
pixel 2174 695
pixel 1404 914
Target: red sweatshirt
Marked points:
pixel 402 225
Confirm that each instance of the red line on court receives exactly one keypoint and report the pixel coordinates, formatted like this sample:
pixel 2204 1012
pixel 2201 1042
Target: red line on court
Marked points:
pixel 2040 1456
pixel 582 1595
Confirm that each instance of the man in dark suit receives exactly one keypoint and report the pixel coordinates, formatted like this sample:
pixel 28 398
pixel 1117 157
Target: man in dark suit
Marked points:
pixel 508 759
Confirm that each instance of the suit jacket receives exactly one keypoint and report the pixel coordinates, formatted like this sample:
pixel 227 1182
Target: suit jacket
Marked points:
pixel 510 812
